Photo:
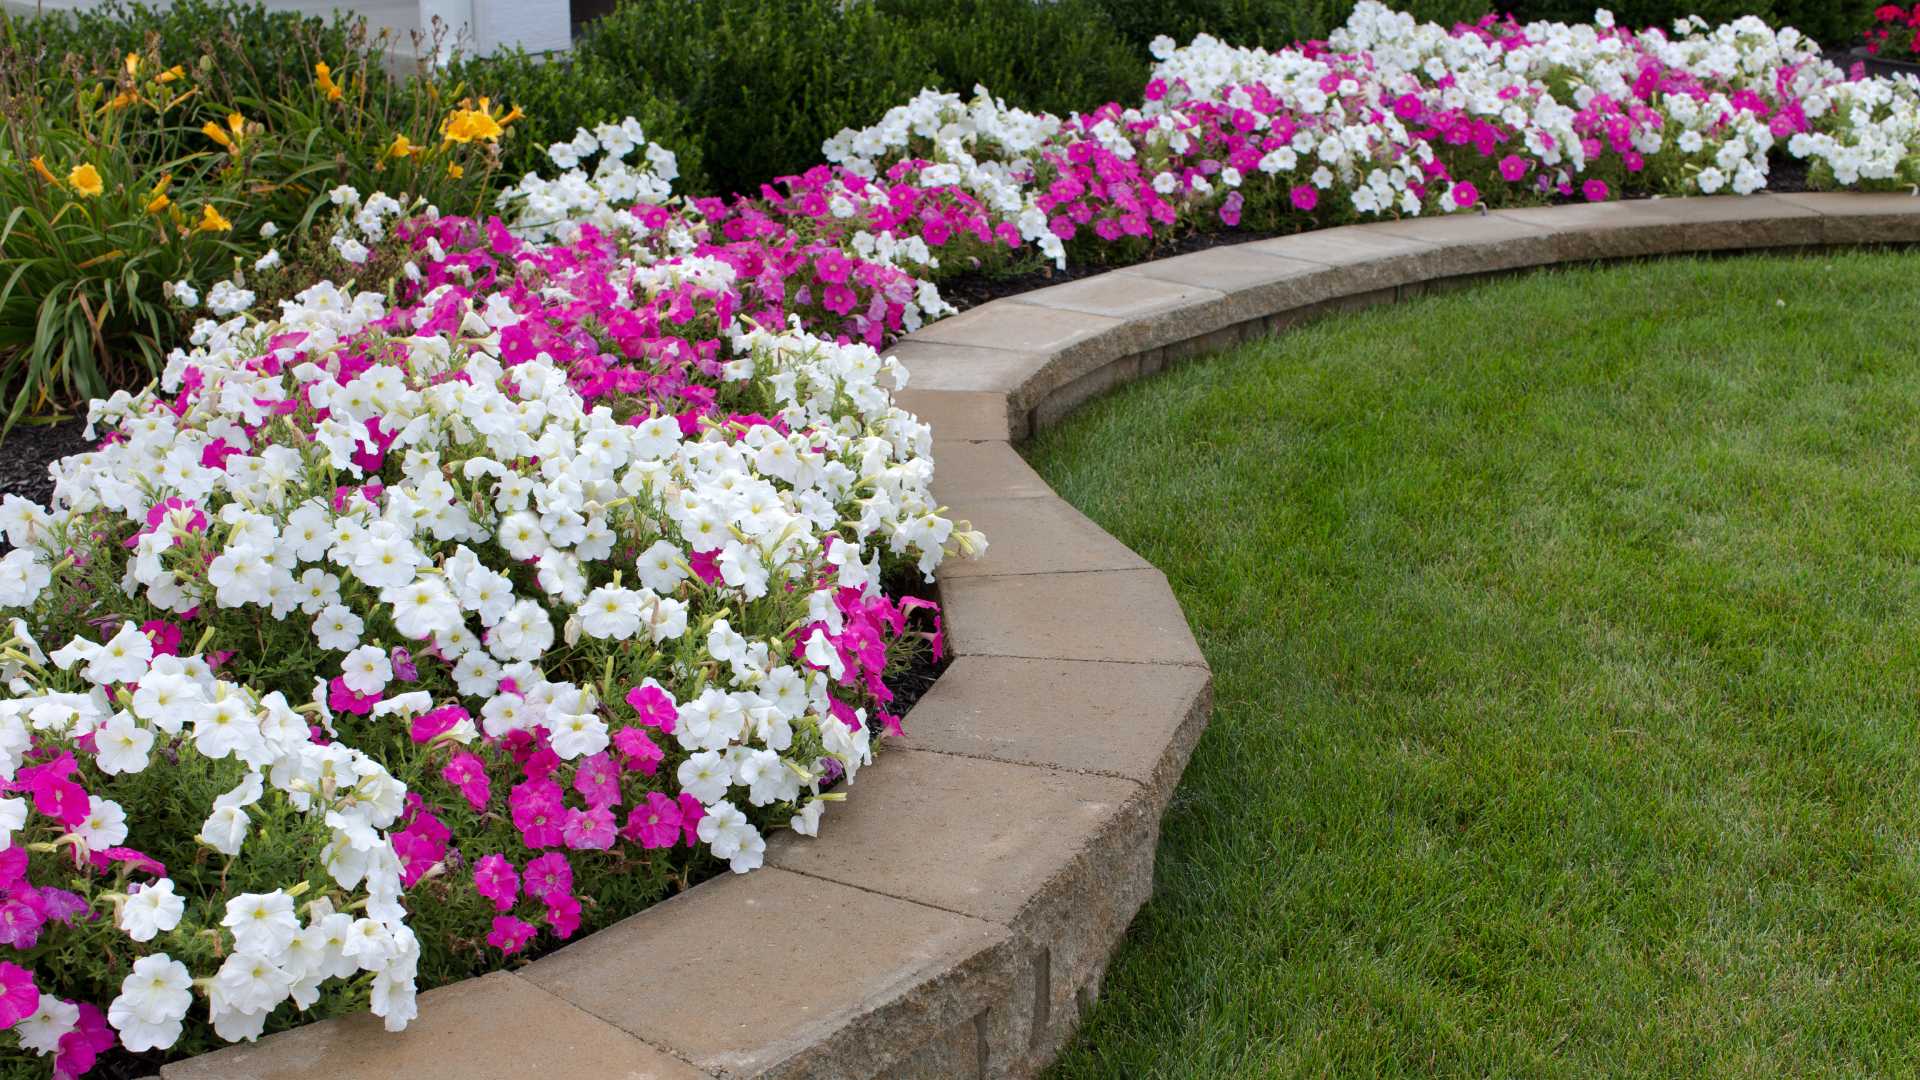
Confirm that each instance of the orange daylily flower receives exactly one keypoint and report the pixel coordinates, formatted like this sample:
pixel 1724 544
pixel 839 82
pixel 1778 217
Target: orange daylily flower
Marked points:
pixel 157 200
pixel 40 167
pixel 325 81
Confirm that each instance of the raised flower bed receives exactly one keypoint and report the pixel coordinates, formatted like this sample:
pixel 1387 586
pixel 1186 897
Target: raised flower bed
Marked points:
pixel 392 638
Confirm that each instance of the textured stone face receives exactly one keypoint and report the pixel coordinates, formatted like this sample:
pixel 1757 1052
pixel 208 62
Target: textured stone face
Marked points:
pixel 957 913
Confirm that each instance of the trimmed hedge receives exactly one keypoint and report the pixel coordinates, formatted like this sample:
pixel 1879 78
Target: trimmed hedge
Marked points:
pixel 1837 24
pixel 1266 23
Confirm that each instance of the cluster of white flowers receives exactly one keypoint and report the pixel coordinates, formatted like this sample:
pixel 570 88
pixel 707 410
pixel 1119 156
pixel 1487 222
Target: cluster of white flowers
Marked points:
pixel 181 707
pixel 1694 110
pixel 554 208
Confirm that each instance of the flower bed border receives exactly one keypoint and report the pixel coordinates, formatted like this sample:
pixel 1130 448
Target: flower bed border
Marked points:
pixel 957 917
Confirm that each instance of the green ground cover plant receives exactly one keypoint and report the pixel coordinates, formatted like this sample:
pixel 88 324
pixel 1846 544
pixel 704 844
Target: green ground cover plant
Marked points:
pixel 1564 634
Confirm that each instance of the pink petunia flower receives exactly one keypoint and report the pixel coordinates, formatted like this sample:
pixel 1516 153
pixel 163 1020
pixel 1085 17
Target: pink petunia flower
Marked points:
pixel 597 778
pixel 495 879
pixel 589 830
pixel 563 915
pixel 549 875
pixel 655 825
pixel 468 775
pixel 19 998
pixel 509 934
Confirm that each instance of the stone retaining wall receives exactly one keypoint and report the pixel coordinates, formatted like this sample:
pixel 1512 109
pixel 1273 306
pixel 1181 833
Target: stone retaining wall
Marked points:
pixel 956 914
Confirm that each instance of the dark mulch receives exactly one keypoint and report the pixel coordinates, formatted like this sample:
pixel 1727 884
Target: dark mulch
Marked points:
pixel 971 289
pixel 27 451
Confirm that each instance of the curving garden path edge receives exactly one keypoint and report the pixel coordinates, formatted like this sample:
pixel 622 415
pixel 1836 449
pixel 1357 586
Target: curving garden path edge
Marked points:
pixel 956 915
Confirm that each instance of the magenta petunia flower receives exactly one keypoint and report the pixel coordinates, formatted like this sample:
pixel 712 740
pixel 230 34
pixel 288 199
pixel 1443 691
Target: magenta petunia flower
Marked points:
pixel 495 879
pixel 639 753
pixel 597 778
pixel 468 775
pixel 589 830
pixel 509 934
pixel 655 706
pixel 563 915
pixel 655 825
pixel 548 875
pixel 19 998
pixel 1595 190
pixel 1305 197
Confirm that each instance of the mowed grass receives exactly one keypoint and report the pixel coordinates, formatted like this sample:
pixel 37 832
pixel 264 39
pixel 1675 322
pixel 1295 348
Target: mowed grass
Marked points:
pixel 1566 640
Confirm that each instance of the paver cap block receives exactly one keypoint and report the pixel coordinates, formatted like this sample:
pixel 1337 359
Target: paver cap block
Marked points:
pixel 1122 615
pixel 497 1025
pixel 1139 721
pixel 766 974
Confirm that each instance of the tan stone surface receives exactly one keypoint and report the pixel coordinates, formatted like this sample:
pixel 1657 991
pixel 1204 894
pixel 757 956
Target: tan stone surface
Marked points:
pixel 1120 615
pixel 935 365
pixel 1120 295
pixel 1064 859
pixel 778 974
pixel 1038 536
pixel 1139 721
pixel 984 838
pixel 495 1026
pixel 973 471
pixel 1015 327
pixel 1640 227
pixel 1254 284
pixel 956 414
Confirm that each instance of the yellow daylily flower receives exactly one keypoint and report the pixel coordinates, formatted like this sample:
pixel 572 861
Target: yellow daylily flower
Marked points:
pixel 466 125
pixel 177 71
pixel 121 100
pixel 402 147
pixel 471 122
pixel 85 180
pixel 157 199
pixel 238 125
pixel 217 134
pixel 133 63
pixel 455 171
pixel 325 81
pixel 212 221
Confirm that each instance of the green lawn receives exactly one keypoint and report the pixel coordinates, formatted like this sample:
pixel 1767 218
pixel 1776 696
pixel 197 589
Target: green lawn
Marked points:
pixel 1566 638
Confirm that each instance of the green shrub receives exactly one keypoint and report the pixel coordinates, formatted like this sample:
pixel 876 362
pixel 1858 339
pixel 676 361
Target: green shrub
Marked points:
pixel 1061 57
pixel 1639 13
pixel 1836 24
pixel 762 82
pixel 1268 24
